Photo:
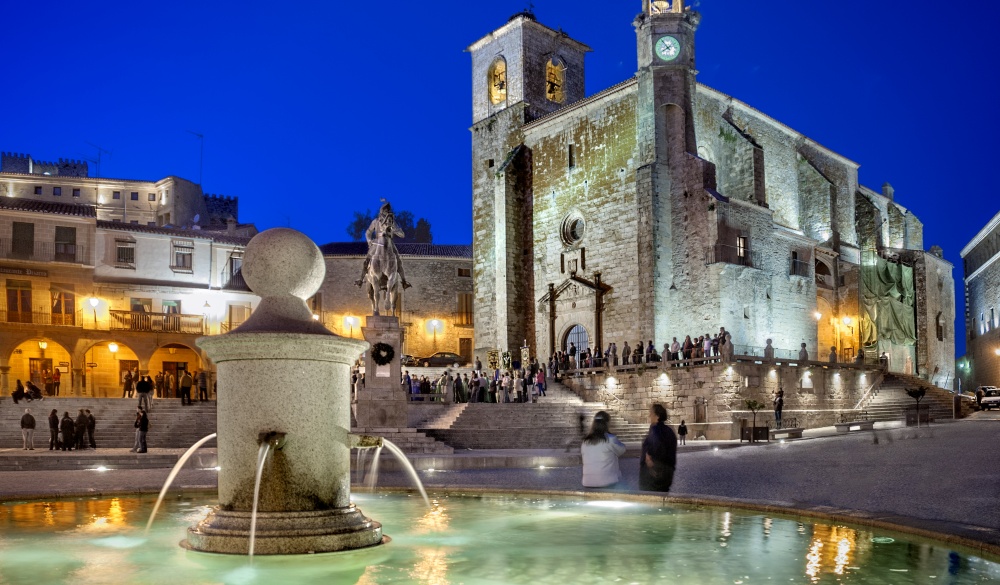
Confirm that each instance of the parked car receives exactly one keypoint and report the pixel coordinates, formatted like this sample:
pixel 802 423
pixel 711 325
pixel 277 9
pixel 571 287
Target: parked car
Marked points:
pixel 408 360
pixel 441 358
pixel 991 397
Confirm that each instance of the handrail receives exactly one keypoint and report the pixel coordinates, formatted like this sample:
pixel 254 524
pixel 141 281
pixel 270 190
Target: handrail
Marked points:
pixel 878 379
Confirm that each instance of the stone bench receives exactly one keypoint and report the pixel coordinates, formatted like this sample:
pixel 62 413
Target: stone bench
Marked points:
pixel 860 425
pixel 786 433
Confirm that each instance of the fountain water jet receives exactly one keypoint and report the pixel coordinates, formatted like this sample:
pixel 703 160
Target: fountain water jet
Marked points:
pixel 304 498
pixel 173 475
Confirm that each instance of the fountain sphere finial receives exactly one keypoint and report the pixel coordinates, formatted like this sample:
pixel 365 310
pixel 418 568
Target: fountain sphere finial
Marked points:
pixel 283 261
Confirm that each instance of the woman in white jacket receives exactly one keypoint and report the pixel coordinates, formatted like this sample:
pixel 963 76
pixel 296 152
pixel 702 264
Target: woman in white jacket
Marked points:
pixel 600 451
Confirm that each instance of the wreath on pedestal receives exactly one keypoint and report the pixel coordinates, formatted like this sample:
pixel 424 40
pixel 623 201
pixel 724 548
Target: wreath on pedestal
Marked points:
pixel 382 353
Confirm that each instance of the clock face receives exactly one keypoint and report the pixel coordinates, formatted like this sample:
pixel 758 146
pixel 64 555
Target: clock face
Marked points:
pixel 668 48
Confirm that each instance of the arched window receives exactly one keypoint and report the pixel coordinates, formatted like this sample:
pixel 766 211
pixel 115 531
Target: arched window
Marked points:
pixel 555 80
pixel 497 79
pixel 577 336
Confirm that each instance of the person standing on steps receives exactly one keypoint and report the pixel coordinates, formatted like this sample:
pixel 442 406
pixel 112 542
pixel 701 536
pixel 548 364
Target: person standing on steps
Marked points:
pixel 659 453
pixel 202 386
pixel 53 430
pixel 80 431
pixel 141 428
pixel 779 404
pixel 682 433
pixel 68 430
pixel 91 427
pixel 144 386
pixel 56 379
pixel 28 430
pixel 186 383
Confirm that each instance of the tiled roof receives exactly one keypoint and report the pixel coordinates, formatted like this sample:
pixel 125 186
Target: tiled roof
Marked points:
pixel 148 229
pixel 19 204
pixel 361 249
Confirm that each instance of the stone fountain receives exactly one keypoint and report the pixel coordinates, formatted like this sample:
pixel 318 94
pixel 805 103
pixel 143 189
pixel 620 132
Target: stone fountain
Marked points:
pixel 284 380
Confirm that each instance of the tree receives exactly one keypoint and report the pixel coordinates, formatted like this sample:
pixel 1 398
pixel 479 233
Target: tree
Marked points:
pixel 414 232
pixel 356 229
pixel 754 406
pixel 917 394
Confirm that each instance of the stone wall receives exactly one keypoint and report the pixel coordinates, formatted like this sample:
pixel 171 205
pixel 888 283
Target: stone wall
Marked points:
pixel 713 396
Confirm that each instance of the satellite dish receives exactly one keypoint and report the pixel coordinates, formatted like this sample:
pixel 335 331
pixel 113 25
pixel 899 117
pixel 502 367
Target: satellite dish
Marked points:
pixel 197 216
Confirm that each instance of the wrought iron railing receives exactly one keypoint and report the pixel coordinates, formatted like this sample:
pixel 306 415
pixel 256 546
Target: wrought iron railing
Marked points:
pixel 233 280
pixel 43 251
pixel 38 318
pixel 732 255
pixel 157 322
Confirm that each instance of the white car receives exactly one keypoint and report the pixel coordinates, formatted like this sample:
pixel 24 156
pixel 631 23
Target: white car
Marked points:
pixel 991 397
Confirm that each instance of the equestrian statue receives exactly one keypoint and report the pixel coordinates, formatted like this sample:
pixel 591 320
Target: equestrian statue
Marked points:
pixel 383 270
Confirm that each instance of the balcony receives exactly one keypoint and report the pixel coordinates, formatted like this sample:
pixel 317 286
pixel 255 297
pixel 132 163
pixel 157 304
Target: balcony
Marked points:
pixel 43 251
pixel 141 321
pixel 233 281
pixel 37 318
pixel 732 255
pixel 799 268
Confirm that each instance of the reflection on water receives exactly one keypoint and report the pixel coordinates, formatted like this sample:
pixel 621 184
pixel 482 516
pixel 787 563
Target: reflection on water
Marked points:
pixel 481 540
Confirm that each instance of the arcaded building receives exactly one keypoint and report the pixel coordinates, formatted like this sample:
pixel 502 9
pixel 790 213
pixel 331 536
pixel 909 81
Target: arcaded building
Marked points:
pixel 981 257
pixel 660 207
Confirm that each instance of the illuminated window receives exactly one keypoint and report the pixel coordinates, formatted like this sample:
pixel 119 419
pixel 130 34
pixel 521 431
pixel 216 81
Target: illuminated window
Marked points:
pixel 555 80
pixel 741 247
pixel 63 305
pixel 497 80
pixel 465 272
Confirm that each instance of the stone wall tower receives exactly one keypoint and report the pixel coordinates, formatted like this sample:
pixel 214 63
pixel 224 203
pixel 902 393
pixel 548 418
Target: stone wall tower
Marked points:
pixel 671 194
pixel 520 72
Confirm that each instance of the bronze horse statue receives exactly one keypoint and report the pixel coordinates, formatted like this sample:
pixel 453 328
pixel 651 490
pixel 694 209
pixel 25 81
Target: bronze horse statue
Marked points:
pixel 383 266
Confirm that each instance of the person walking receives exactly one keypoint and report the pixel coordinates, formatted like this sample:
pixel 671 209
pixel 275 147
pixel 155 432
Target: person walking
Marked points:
pixel 141 428
pixel 91 427
pixel 28 430
pixel 600 451
pixel 53 430
pixel 682 433
pixel 779 403
pixel 659 453
pixel 68 430
pixel 186 383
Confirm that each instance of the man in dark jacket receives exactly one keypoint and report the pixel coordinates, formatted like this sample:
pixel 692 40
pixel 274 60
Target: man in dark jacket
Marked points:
pixel 185 385
pixel 659 453
pixel 91 427
pixel 53 430
pixel 80 431
pixel 68 430
pixel 28 430
pixel 142 426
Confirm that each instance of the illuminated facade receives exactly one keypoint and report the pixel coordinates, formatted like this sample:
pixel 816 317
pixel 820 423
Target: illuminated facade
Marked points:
pixel 981 257
pixel 95 283
pixel 660 207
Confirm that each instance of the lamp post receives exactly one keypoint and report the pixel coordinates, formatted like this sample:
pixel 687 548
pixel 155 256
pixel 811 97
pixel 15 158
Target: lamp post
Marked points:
pixel 434 325
pixel 93 305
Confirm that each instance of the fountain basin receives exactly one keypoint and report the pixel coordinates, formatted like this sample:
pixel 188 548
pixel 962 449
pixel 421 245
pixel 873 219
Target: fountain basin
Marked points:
pixel 489 537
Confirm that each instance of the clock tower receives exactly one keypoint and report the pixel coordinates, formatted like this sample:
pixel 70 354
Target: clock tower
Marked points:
pixel 665 49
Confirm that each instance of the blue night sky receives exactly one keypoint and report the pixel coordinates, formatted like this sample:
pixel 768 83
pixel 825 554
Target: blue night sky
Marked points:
pixel 314 109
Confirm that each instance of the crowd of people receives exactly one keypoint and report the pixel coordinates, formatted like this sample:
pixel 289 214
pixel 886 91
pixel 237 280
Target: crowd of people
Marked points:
pixel 65 434
pixel 717 347
pixel 521 385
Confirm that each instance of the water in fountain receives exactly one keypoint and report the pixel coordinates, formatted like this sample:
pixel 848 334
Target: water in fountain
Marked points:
pixel 173 474
pixel 408 467
pixel 265 448
pixel 373 472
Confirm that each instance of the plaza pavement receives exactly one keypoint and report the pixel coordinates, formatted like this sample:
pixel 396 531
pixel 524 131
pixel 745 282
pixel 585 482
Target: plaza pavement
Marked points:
pixel 943 479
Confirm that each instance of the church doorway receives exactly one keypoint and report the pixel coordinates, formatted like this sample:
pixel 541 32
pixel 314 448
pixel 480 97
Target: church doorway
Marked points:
pixel 577 335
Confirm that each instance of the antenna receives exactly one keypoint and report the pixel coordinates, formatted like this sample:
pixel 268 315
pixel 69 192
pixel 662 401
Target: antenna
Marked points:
pixel 201 158
pixel 100 151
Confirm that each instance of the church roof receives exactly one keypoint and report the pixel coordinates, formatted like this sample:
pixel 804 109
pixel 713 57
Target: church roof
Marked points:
pixel 19 204
pixel 405 249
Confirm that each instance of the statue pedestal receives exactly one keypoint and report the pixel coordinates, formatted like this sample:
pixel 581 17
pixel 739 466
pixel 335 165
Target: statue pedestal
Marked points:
pixel 382 401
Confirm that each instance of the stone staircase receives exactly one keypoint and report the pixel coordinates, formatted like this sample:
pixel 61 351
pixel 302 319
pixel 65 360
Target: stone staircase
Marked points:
pixel 171 425
pixel 551 423
pixel 890 401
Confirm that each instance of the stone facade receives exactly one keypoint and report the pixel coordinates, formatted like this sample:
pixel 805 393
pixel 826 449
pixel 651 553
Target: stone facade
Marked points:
pixel 433 315
pixel 981 363
pixel 711 400
pixel 660 207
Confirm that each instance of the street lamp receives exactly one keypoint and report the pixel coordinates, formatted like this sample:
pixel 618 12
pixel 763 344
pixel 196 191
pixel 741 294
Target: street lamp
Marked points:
pixel 42 345
pixel 434 326
pixel 93 305
pixel 350 323
pixel 113 347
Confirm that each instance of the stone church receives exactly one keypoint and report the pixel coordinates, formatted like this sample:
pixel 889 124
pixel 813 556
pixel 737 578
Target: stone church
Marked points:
pixel 660 207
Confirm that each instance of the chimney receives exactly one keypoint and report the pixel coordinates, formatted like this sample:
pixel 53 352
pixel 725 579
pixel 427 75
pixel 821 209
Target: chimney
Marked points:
pixel 230 226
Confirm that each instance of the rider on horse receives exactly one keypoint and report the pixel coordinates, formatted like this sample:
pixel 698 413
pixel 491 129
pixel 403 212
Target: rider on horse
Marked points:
pixel 385 224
